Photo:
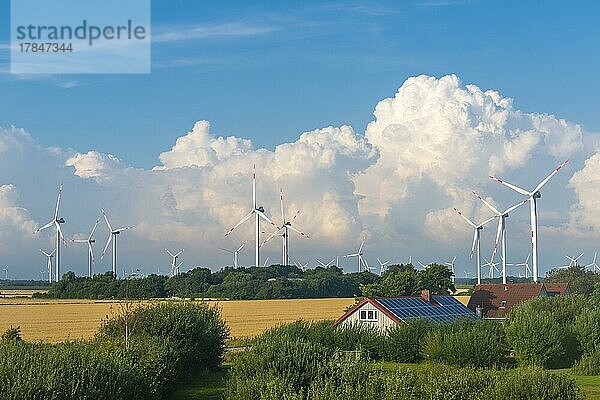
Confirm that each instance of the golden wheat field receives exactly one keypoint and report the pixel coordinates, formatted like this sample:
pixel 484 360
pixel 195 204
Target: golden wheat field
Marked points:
pixel 59 320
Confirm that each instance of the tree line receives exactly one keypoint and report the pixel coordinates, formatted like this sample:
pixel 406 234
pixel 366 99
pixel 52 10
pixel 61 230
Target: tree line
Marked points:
pixel 250 283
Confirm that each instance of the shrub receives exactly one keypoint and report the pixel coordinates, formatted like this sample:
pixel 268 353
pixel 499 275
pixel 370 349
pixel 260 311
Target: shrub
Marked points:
pixel 589 364
pixel 404 342
pixel 195 331
pixel 539 339
pixel 466 343
pixel 67 371
pixel 12 334
pixel 587 330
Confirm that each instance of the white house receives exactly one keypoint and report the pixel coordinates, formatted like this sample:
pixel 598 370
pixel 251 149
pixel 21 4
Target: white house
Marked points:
pixel 385 312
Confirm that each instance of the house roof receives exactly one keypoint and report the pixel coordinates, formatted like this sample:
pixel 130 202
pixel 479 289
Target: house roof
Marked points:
pixel 441 308
pixel 498 299
pixel 561 288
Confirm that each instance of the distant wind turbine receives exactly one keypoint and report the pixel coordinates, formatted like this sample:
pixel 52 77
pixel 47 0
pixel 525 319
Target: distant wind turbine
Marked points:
pixel 326 265
pixel 359 257
pixel 235 253
pixel 90 240
pixel 476 245
pixel 112 237
pixel 450 266
pixel 593 265
pixel 258 212
pixel 174 265
pixel 49 257
pixel 382 265
pixel 57 221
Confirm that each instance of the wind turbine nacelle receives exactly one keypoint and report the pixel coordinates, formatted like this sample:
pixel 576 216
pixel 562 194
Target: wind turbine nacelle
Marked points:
pixel 61 221
pixel 537 195
pixel 261 209
pixel 288 224
pixel 92 241
pixel 116 233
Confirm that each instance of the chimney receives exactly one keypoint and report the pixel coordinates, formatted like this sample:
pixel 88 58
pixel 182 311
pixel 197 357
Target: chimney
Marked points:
pixel 426 295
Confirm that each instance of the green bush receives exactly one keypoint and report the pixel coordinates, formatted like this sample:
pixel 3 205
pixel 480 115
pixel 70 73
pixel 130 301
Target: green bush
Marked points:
pixel 589 364
pixel 587 330
pixel 404 342
pixel 195 330
pixel 476 344
pixel 539 339
pixel 75 370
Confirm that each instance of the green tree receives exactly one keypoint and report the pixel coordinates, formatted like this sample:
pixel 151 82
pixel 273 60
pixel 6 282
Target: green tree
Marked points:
pixel 436 278
pixel 579 280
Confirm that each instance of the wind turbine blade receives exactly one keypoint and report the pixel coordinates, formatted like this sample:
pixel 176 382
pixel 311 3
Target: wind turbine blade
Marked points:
pixel 295 215
pixel 220 248
pixel 510 185
pixel 125 228
pixel 498 233
pixel 281 204
pixel 465 218
pixel 169 252
pixel 48 225
pixel 106 219
pixel 246 218
pixel 276 233
pixel 107 244
pixel 542 183
pixel 516 206
pixel 320 262
pixel 44 253
pixel 491 207
pixel 178 254
pixel 488 220
pixel 299 232
pixel 263 216
pixel 52 253
pixel 60 233
pixel 241 247
pixel 91 250
pixel 361 246
pixel 94 229
pixel 58 201
pixel 79 240
pixel 474 243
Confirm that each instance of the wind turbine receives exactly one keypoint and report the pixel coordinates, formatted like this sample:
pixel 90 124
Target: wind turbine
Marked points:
pixel 56 222
pixel 525 266
pixel 573 261
pixel 533 196
pixel 5 273
pixel 89 242
pixel 235 253
pixel 302 267
pixel 326 265
pixel 493 266
pixel 174 257
pixel 258 212
pixel 49 263
pixel 359 257
pixel 284 232
pixel 593 264
pixel 451 266
pixel 112 237
pixel 477 228
pixel 501 230
pixel 382 265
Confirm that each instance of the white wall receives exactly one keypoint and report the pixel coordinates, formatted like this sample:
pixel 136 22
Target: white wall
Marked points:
pixel 383 322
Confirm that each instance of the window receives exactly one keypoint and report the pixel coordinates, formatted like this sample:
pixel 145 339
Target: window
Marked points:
pixel 368 315
pixel 503 304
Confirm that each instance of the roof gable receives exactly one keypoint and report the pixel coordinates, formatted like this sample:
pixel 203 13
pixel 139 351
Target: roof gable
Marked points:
pixel 498 299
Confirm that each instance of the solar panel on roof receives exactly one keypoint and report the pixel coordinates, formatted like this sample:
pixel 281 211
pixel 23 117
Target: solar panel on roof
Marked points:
pixel 445 309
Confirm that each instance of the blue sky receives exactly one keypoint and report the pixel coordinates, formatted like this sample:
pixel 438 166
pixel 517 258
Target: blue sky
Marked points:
pixel 270 70
pixel 265 72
